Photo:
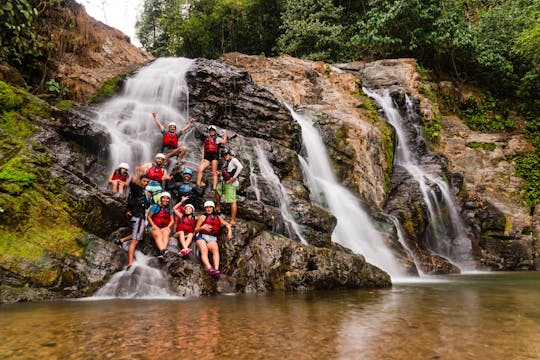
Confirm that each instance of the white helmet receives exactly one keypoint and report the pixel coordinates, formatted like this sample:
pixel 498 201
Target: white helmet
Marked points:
pixel 171 124
pixel 164 194
pixel 160 155
pixel 191 206
pixel 209 203
pixel 123 166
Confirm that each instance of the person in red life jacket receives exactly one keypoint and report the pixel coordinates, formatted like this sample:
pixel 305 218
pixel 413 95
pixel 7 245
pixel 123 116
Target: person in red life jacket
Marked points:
pixel 119 178
pixel 160 221
pixel 210 155
pixel 170 146
pixel 207 230
pixel 156 173
pixel 230 171
pixel 186 225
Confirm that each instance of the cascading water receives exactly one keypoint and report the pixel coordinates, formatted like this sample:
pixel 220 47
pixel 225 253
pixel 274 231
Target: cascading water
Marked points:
pixel 354 228
pixel 159 87
pixel 139 281
pixel 446 236
pixel 278 191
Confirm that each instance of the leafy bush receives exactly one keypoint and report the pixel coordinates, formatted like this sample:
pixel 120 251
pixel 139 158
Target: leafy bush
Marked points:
pixel 528 167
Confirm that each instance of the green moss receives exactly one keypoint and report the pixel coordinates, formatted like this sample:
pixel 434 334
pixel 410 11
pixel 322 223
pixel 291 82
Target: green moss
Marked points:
pixel 108 89
pixel 64 105
pixel 528 167
pixel 485 146
pixel 8 98
pixel 489 114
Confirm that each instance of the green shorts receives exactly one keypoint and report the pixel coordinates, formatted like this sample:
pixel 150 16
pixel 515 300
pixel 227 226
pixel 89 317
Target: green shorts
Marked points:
pixel 229 191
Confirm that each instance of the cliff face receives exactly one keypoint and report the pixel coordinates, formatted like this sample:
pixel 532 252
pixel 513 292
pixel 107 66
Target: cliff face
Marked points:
pixel 89 52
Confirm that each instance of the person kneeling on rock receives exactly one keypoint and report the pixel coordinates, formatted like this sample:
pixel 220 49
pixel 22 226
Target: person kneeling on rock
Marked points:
pixel 137 204
pixel 207 230
pixel 160 219
pixel 186 225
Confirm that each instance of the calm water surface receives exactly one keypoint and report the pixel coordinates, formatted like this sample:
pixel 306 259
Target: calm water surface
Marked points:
pixel 482 316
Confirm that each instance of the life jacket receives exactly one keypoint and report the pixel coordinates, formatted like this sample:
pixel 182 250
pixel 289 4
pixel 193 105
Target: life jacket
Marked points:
pixel 185 189
pixel 186 224
pixel 155 173
pixel 224 173
pixel 213 221
pixel 210 145
pixel 163 217
pixel 170 139
pixel 137 201
pixel 119 176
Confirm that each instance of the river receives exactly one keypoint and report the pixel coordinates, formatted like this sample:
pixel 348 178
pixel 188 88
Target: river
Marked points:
pixel 475 316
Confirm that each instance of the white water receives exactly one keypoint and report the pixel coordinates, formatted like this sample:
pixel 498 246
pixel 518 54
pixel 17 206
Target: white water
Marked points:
pixel 159 87
pixel 447 237
pixel 354 228
pixel 140 281
pixel 279 192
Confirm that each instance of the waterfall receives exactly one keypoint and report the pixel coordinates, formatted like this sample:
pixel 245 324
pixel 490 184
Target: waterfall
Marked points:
pixel 159 87
pixel 278 191
pixel 354 229
pixel 139 281
pixel 446 236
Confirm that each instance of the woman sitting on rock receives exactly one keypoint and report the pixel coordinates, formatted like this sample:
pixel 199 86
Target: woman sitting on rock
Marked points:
pixel 119 178
pixel 186 225
pixel 160 219
pixel 207 230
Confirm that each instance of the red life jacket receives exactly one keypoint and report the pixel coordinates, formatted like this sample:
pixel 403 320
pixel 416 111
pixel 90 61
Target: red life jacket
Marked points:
pixel 210 145
pixel 186 224
pixel 213 221
pixel 155 173
pixel 162 218
pixel 170 139
pixel 119 176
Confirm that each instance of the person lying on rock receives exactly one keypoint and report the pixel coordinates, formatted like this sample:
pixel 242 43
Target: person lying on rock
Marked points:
pixel 181 186
pixel 156 173
pixel 119 178
pixel 170 145
pixel 207 230
pixel 138 202
pixel 185 226
pixel 160 221
pixel 210 155
pixel 230 171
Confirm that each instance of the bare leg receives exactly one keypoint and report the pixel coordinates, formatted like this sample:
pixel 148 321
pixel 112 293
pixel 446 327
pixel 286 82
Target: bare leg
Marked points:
pixel 131 251
pixel 183 240
pixel 213 248
pixel 204 164
pixel 201 244
pixel 233 213
pixel 121 187
pixel 218 202
pixel 114 186
pixel 125 238
pixel 214 174
pixel 189 237
pixel 156 234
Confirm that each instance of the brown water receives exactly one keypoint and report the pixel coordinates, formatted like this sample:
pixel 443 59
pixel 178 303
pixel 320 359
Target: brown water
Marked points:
pixel 494 316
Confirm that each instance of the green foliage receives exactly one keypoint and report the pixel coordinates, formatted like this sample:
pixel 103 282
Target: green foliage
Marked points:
pixel 8 98
pixel 54 87
pixel 528 167
pixel 311 29
pixel 489 114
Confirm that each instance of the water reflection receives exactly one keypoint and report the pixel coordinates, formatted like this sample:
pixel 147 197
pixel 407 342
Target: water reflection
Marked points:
pixel 474 316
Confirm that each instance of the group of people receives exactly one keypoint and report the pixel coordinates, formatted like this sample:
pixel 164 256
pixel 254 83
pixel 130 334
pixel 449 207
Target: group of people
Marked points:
pixel 163 205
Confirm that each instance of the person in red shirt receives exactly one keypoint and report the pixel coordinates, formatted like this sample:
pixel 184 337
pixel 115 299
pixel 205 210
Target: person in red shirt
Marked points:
pixel 170 145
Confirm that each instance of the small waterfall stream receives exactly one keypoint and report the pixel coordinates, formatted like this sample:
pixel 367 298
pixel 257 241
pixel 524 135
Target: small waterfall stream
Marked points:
pixel 354 229
pixel 446 236
pixel 159 87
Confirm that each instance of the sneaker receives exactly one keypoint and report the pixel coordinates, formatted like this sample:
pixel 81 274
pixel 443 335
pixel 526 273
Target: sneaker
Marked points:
pixel 161 253
pixel 118 242
pixel 216 272
pixel 183 252
pixel 188 251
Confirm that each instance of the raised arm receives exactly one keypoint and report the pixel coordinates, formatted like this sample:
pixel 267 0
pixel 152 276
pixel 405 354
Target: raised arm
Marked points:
pixel 158 123
pixel 224 137
pixel 191 121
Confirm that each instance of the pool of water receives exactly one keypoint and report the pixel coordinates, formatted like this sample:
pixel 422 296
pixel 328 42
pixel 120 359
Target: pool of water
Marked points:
pixel 475 316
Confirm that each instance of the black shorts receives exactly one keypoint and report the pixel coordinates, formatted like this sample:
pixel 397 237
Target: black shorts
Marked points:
pixel 211 156
pixel 165 149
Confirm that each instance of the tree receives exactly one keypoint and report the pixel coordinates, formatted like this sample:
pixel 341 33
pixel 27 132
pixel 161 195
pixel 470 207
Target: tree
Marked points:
pixel 311 30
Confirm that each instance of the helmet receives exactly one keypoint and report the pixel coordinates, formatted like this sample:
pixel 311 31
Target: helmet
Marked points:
pixel 187 171
pixel 191 206
pixel 209 203
pixel 171 124
pixel 160 155
pixel 212 127
pixel 164 194
pixel 225 151
pixel 123 166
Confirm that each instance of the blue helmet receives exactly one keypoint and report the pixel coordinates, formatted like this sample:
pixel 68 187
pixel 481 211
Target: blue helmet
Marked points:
pixel 187 171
